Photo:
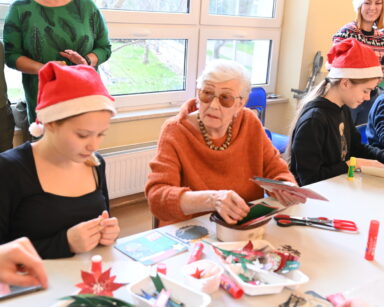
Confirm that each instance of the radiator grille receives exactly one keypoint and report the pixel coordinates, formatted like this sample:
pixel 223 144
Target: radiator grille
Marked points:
pixel 127 169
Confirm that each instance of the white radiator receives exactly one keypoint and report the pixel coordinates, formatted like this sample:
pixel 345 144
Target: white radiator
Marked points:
pixel 127 168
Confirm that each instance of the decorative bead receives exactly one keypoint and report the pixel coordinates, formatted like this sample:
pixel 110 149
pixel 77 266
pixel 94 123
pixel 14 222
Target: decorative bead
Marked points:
pixel 207 139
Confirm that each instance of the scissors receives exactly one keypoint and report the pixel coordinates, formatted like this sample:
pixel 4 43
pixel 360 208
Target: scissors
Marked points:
pixel 321 222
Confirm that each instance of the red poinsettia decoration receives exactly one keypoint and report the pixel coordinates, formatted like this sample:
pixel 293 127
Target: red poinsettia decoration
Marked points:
pixel 98 283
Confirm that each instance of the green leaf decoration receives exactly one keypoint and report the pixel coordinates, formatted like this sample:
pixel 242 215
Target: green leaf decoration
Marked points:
pixel 157 283
pixel 90 300
pixel 244 278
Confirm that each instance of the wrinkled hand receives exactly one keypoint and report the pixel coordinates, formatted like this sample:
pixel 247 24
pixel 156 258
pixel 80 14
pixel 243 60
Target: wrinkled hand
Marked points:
pixel 288 199
pixel 73 56
pixel 110 230
pixel 20 255
pixel 230 206
pixel 85 236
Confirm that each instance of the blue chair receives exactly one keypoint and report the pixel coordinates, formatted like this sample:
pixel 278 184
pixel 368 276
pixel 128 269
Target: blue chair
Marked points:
pixel 361 129
pixel 258 101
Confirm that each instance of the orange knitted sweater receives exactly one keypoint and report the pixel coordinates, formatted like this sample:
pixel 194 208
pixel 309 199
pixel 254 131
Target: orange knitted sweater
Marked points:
pixel 185 163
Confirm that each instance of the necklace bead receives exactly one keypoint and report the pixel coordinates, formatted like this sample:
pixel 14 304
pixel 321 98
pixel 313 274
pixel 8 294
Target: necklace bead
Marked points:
pixel 208 140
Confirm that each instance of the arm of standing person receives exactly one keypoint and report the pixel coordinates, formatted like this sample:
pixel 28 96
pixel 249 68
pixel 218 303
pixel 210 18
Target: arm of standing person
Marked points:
pixel 307 150
pixel 21 255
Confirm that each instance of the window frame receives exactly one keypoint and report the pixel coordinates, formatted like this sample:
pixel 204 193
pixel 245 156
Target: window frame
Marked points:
pixel 233 33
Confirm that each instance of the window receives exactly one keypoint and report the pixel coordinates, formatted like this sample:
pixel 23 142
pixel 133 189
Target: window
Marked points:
pixel 159 47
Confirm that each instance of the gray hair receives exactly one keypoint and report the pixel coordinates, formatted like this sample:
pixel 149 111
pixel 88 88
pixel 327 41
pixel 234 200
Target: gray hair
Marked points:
pixel 224 70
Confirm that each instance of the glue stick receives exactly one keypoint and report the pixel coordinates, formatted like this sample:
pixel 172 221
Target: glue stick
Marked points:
pixel 351 168
pixel 96 264
pixel 372 238
pixel 231 287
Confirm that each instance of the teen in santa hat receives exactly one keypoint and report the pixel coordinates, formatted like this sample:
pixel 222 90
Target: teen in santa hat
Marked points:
pixel 369 19
pixel 53 190
pixel 323 138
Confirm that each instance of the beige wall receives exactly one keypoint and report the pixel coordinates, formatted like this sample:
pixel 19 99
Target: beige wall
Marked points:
pixel 308 26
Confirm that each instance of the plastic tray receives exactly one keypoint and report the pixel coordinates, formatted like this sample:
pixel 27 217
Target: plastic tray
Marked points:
pixel 277 281
pixel 189 296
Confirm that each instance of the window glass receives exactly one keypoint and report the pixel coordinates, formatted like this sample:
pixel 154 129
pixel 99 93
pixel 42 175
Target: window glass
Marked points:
pixel 249 8
pixel 254 55
pixel 15 89
pixel 168 6
pixel 140 66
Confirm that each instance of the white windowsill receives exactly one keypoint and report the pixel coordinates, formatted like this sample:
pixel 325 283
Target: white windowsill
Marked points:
pixel 136 115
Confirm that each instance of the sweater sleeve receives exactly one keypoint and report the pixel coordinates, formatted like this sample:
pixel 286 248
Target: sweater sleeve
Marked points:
pixel 363 150
pixel 12 37
pixel 163 188
pixel 378 123
pixel 102 45
pixel 53 247
pixel 311 165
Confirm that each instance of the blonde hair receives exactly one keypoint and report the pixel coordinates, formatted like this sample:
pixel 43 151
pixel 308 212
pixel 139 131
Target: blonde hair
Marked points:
pixel 378 22
pixel 319 91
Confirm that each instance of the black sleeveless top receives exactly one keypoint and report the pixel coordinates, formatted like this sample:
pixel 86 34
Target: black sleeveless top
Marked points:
pixel 26 210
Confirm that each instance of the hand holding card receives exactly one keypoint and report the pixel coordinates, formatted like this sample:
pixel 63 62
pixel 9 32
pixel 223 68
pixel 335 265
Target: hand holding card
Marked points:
pixel 270 184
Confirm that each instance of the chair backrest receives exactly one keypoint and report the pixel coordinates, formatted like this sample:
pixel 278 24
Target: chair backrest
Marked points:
pixel 361 129
pixel 258 101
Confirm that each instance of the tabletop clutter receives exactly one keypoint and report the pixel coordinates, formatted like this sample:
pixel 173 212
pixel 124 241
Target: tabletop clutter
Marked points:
pixel 241 264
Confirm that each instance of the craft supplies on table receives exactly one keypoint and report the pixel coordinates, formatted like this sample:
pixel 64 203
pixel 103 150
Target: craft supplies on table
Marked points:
pixel 244 271
pixel 284 220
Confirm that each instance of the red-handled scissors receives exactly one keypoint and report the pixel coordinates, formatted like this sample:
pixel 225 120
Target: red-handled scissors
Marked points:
pixel 321 222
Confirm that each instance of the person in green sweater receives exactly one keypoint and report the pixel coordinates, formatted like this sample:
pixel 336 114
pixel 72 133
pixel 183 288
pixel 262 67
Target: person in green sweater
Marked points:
pixel 69 32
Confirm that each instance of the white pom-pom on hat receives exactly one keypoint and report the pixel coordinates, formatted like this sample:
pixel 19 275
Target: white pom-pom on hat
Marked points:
pixel 357 4
pixel 36 129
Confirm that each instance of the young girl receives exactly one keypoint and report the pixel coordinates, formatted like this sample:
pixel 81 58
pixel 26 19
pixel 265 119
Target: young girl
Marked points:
pixel 324 137
pixel 54 191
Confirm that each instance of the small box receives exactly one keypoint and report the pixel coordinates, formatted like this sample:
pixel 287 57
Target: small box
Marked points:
pixel 207 284
pixel 184 294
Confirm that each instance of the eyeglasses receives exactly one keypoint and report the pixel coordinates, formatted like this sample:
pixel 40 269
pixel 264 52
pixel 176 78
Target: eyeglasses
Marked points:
pixel 227 101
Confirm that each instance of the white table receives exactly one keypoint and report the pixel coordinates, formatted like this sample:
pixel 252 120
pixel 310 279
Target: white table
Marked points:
pixel 334 261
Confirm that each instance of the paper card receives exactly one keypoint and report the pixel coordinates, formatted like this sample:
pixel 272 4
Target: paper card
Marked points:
pixel 258 210
pixel 270 184
pixel 151 247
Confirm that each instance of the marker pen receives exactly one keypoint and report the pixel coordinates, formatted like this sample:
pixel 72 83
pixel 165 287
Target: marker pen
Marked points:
pixel 351 168
pixel 372 238
pixel 231 287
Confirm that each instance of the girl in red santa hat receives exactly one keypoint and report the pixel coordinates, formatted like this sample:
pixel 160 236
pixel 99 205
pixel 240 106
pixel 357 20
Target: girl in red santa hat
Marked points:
pixel 54 190
pixel 323 138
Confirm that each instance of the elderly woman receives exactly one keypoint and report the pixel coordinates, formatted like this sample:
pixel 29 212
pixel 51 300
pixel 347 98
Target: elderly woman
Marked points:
pixel 210 150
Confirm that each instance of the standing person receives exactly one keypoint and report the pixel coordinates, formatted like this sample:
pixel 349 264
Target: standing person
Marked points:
pixel 18 254
pixel 7 126
pixel 324 137
pixel 54 190
pixel 67 31
pixel 208 153
pixel 369 19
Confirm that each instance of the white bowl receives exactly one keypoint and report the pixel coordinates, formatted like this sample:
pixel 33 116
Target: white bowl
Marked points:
pixel 276 281
pixel 184 294
pixel 208 284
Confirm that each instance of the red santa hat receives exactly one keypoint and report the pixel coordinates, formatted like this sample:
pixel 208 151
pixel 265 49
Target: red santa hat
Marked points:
pixel 352 60
pixel 66 91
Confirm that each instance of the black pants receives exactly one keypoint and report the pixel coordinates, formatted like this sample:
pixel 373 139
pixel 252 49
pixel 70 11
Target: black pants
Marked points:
pixel 7 128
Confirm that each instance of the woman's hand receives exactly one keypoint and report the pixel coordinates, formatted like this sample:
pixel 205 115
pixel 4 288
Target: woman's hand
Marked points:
pixel 288 199
pixel 111 229
pixel 20 256
pixel 85 236
pixel 231 207
pixel 73 56
pixel 367 162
